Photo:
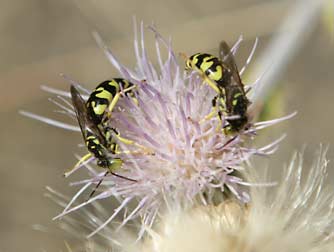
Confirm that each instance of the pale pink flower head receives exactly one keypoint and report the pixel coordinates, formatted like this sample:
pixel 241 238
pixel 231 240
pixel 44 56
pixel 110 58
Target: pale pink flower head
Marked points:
pixel 187 160
pixel 296 215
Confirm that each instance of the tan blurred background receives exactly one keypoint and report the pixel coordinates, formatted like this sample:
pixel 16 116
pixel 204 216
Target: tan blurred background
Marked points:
pixel 39 39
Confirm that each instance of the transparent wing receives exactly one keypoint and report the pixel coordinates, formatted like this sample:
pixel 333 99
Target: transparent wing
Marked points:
pixel 227 58
pixel 81 112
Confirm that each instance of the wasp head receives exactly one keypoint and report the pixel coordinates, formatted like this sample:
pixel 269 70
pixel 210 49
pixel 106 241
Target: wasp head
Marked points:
pixel 111 164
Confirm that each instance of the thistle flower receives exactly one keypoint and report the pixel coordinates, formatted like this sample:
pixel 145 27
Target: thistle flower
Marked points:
pixel 186 161
pixel 297 215
pixel 294 216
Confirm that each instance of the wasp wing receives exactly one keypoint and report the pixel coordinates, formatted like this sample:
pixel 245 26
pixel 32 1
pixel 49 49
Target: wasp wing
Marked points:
pixel 226 56
pixel 84 121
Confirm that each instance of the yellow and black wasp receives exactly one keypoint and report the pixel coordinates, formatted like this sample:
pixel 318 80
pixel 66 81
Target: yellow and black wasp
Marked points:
pixel 104 98
pixel 236 100
pixel 92 118
pixel 222 75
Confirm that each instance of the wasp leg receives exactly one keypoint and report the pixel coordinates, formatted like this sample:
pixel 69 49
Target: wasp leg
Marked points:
pixel 221 112
pixel 133 96
pixel 210 115
pixel 143 149
pixel 218 109
pixel 82 160
pixel 115 100
pixel 211 83
pixel 213 112
pixel 101 180
pixel 127 141
pixel 122 139
pixel 184 56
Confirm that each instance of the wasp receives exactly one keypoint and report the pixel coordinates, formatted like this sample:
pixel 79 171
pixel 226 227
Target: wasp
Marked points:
pixel 222 75
pixel 91 116
pixel 104 98
pixel 236 100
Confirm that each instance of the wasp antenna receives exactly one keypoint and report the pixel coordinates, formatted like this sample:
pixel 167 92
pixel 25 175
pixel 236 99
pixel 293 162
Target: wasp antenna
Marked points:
pixel 183 55
pixel 97 186
pixel 123 177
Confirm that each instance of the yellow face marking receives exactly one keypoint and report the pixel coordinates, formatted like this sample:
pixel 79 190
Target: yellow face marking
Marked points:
pixel 100 109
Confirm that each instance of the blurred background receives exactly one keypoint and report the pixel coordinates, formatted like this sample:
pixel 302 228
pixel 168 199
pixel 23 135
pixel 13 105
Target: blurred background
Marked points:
pixel 39 39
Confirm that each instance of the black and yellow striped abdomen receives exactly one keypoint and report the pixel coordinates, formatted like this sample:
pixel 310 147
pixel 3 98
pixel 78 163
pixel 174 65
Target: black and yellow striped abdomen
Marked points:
pixel 210 66
pixel 103 95
pixel 95 147
pixel 98 137
pixel 222 75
